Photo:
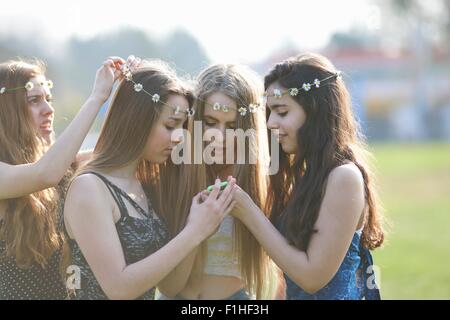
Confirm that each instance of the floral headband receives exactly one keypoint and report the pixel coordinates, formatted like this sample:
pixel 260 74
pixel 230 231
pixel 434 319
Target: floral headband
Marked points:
pixel 29 86
pixel 138 87
pixel 252 108
pixel 278 93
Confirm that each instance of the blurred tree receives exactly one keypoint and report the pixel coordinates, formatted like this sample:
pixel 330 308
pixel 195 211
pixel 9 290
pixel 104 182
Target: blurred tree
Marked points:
pixel 24 46
pixel 404 16
pixel 83 57
pixel 72 65
pixel 355 38
pixel 186 52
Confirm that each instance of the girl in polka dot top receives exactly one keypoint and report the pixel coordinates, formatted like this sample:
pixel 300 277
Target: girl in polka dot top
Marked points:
pixel 33 171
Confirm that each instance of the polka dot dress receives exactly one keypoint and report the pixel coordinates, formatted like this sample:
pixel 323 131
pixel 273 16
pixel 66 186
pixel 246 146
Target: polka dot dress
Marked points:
pixel 35 283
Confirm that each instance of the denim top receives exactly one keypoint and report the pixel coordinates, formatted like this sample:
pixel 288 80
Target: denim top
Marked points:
pixel 354 280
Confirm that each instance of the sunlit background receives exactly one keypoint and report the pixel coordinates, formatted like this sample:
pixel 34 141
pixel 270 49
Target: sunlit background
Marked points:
pixel 395 55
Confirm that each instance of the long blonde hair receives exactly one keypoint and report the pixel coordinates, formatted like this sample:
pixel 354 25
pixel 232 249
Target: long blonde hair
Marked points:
pixel 242 86
pixel 29 227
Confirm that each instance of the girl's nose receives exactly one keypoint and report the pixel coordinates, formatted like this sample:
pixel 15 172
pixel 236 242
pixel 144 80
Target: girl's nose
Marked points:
pixel 271 122
pixel 47 109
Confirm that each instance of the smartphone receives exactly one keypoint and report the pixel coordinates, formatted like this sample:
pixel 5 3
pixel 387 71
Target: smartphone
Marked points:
pixel 223 185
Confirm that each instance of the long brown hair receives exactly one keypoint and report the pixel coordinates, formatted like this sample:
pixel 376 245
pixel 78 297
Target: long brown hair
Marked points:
pixel 30 223
pixel 330 137
pixel 242 86
pixel 130 118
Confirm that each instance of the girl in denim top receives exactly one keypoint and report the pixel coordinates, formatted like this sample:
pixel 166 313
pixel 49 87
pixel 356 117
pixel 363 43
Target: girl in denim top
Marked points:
pixel 322 204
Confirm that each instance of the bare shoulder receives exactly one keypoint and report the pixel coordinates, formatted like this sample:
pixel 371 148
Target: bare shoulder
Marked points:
pixel 345 191
pixel 346 177
pixel 86 185
pixel 344 198
pixel 88 193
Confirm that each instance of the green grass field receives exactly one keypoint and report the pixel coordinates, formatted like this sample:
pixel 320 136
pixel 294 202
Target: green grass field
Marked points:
pixel 414 186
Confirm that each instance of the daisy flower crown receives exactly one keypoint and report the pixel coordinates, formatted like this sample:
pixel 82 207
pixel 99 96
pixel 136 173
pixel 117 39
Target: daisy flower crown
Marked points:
pixel 242 110
pixel 156 98
pixel 138 87
pixel 28 86
pixel 306 87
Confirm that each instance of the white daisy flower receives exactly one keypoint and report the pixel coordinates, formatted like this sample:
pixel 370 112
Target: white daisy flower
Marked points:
pixel 29 86
pixel 293 92
pixel 339 75
pixel 252 108
pixel 277 93
pixel 242 111
pixel 125 68
pixel 317 83
pixel 50 84
pixel 224 108
pixel 191 112
pixel 2 90
pixel 155 98
pixel 138 87
pixel 177 110
pixel 216 106
pixel 306 87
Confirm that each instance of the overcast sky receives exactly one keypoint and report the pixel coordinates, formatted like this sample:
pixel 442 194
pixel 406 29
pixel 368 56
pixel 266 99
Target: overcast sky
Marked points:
pixel 230 30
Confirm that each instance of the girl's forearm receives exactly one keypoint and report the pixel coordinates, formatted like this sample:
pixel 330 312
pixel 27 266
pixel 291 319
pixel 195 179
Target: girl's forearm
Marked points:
pixel 291 260
pixel 174 283
pixel 53 165
pixel 23 179
pixel 141 276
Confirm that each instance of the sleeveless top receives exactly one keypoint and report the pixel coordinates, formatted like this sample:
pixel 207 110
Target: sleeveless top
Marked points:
pixel 354 280
pixel 35 282
pixel 221 259
pixel 139 239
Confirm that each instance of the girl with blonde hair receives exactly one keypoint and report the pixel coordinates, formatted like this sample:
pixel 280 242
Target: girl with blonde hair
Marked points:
pixel 230 264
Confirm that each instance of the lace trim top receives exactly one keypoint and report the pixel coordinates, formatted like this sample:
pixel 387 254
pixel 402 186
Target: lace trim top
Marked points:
pixel 220 257
pixel 139 238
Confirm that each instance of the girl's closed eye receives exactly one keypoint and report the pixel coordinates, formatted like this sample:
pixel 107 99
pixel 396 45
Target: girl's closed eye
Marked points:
pixel 34 100
pixel 282 114
pixel 169 127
